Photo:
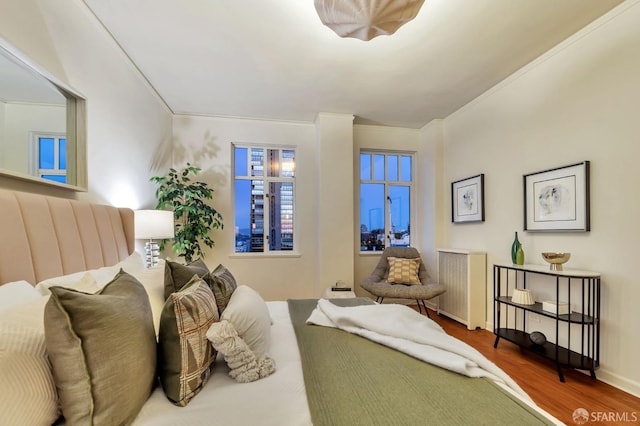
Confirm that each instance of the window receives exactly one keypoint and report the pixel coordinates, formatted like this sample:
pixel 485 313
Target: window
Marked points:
pixel 50 156
pixel 264 191
pixel 386 189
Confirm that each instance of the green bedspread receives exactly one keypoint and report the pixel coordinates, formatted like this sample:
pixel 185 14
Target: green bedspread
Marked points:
pixel 353 381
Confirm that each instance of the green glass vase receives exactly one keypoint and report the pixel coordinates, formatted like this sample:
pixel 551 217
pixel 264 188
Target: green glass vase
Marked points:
pixel 514 250
pixel 520 256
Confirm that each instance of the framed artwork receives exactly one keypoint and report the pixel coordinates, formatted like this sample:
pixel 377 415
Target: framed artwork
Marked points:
pixel 557 199
pixel 467 200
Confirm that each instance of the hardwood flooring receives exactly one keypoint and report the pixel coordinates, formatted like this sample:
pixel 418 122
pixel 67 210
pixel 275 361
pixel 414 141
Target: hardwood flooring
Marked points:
pixel 538 377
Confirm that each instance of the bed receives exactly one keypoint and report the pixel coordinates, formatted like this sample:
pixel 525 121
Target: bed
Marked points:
pixel 316 367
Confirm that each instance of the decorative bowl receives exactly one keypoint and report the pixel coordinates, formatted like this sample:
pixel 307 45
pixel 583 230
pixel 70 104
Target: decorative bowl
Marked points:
pixel 522 296
pixel 556 259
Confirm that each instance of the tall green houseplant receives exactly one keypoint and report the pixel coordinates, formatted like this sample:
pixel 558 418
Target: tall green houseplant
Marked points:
pixel 194 217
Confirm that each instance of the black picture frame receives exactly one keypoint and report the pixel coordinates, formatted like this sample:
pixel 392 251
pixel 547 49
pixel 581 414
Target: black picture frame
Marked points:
pixel 467 200
pixel 557 200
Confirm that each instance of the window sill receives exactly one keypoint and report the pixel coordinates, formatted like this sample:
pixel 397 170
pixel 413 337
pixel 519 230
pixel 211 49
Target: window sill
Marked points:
pixel 264 255
pixel 370 253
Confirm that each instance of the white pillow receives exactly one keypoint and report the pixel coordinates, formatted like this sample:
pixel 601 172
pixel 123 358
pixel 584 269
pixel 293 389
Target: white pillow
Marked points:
pixel 134 264
pixel 27 390
pixel 80 281
pixel 16 293
pixel 249 315
pixel 152 280
pixel 104 275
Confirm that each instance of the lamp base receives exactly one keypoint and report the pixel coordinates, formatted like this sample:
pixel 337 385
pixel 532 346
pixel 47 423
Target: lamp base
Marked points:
pixel 152 253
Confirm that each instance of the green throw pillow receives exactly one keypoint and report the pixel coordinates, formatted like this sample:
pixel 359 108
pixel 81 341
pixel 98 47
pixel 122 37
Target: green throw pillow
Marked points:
pixel 185 356
pixel 177 275
pixel 102 349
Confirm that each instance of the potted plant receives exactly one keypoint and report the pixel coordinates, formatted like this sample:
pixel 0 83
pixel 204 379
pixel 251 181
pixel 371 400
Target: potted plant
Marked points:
pixel 194 218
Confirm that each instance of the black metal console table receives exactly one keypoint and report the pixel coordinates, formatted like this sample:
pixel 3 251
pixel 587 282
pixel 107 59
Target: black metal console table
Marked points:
pixel 510 318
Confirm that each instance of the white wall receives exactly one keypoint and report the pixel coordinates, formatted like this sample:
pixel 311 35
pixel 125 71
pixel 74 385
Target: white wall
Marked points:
pixel 335 203
pixel 123 114
pixel 578 102
pixel 2 137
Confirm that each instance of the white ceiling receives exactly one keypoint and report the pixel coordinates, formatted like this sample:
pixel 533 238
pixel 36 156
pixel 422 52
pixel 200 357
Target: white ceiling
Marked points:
pixel 275 60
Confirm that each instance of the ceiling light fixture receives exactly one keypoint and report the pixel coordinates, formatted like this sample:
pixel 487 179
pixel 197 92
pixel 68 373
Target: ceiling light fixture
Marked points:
pixel 366 19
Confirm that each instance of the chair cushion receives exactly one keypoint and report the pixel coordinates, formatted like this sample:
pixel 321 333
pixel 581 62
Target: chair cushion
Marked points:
pixel 414 292
pixel 404 271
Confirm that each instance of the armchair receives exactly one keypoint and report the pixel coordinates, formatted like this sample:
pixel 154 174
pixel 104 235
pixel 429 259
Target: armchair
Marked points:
pixel 378 285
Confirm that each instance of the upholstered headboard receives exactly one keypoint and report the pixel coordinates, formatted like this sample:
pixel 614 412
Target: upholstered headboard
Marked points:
pixel 43 237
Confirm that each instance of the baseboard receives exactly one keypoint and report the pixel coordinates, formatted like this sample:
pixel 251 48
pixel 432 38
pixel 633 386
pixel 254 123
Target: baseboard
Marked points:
pixel 619 382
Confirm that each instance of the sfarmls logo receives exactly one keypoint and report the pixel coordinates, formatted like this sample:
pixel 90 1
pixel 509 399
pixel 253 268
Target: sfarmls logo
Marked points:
pixel 582 416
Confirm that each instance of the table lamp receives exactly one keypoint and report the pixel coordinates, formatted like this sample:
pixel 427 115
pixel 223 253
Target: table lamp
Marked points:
pixel 153 225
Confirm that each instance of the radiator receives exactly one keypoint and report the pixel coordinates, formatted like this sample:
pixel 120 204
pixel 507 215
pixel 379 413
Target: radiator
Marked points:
pixel 464 273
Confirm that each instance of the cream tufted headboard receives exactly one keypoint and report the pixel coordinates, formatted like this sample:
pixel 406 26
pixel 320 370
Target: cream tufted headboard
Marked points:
pixel 43 237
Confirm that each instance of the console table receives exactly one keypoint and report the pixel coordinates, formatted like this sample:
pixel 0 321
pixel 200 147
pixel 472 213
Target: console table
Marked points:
pixel 512 321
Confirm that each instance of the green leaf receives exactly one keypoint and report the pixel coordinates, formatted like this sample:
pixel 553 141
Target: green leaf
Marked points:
pixel 194 218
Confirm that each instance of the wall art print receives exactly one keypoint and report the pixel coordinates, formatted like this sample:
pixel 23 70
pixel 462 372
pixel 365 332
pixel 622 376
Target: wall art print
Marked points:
pixel 557 199
pixel 467 200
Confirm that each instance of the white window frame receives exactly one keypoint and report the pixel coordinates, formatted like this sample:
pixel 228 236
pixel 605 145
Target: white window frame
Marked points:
pixel 266 251
pixel 34 154
pixel 387 183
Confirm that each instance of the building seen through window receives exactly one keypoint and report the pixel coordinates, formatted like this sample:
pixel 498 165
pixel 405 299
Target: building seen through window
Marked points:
pixel 264 191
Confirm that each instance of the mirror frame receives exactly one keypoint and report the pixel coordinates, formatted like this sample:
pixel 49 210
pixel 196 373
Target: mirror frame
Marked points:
pixel 76 126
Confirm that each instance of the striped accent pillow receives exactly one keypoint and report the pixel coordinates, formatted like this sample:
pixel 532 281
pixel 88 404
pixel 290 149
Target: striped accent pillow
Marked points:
pixel 223 284
pixel 27 390
pixel 404 271
pixel 185 356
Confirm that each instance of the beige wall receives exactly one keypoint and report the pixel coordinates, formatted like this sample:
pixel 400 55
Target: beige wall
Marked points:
pixel 21 119
pixel 123 114
pixel 578 102
pixel 206 141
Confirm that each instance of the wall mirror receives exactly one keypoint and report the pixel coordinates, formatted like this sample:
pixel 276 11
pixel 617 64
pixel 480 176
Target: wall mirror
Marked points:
pixel 42 124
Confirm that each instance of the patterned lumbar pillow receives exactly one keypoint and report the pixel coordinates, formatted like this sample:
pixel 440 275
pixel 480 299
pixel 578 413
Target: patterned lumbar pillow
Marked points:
pixel 102 349
pixel 185 356
pixel 404 271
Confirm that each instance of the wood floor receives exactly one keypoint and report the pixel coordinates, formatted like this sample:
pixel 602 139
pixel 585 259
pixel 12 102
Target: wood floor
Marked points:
pixel 538 377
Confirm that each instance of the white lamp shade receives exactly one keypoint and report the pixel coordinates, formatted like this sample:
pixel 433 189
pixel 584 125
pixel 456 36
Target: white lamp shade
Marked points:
pixel 153 224
pixel 366 19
